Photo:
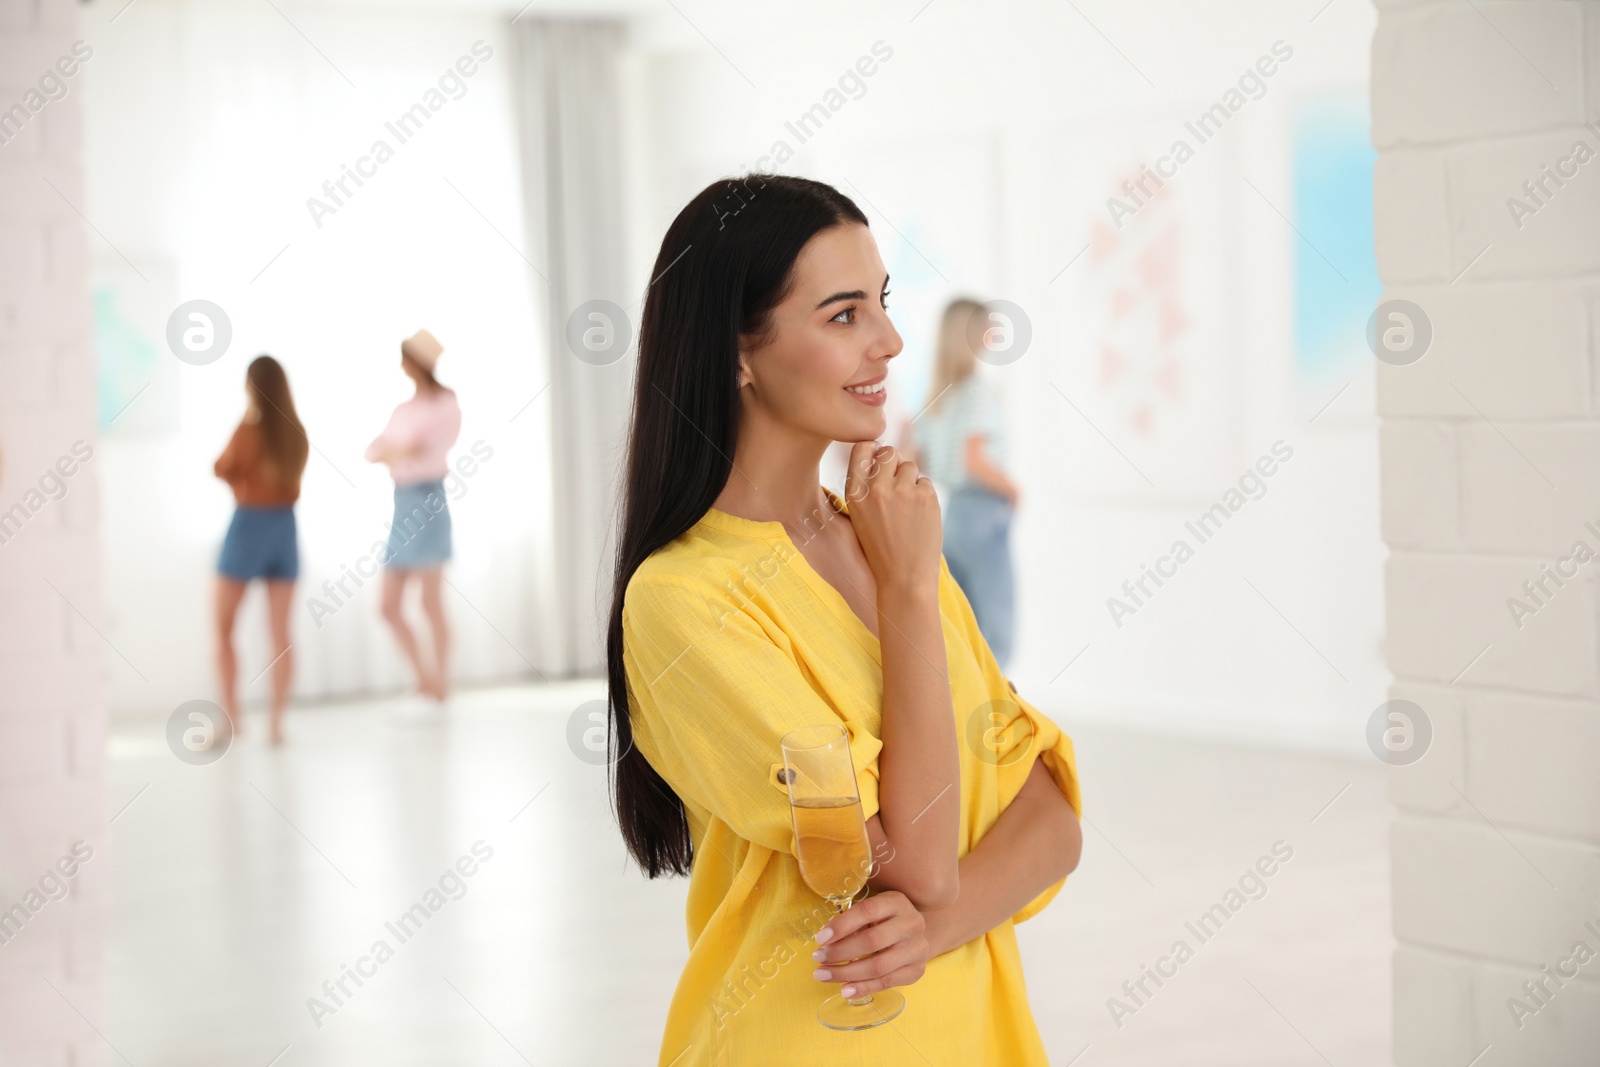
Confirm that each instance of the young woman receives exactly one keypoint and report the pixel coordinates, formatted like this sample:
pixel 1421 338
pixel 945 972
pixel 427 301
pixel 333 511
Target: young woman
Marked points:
pixel 262 463
pixel 750 601
pixel 961 442
pixel 415 445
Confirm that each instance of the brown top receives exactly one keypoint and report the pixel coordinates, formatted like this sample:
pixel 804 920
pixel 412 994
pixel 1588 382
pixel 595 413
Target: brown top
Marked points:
pixel 244 466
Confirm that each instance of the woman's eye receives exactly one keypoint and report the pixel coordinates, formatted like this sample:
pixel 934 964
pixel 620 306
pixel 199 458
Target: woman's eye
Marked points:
pixel 841 317
pixel 884 299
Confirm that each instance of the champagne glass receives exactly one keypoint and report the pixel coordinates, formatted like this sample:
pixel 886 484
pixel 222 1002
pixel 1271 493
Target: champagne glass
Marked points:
pixel 834 851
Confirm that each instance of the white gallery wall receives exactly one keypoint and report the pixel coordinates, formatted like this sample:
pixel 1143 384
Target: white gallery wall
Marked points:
pixel 984 148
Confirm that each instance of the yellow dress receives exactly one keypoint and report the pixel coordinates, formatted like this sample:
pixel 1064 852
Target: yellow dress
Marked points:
pixel 731 640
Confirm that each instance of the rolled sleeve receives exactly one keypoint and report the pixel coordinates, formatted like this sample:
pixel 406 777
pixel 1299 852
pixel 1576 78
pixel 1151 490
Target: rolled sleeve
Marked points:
pixel 1048 743
pixel 1018 734
pixel 712 694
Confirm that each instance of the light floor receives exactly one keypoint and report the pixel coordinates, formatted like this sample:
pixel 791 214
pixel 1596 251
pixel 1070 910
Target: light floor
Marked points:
pixel 240 887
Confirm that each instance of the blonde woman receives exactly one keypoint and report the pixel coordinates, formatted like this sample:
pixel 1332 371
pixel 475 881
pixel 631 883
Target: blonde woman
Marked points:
pixel 961 443
pixel 262 464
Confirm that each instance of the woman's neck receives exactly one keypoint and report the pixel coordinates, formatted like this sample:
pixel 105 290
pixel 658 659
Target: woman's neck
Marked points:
pixel 775 479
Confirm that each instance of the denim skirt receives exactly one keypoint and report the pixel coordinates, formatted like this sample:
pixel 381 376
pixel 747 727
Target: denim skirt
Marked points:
pixel 261 543
pixel 420 535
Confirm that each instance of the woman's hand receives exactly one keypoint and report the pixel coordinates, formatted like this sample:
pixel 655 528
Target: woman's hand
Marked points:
pixel 884 937
pixel 895 514
pixel 382 450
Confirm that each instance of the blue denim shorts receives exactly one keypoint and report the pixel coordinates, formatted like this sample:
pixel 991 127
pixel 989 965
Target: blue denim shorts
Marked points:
pixel 420 536
pixel 260 543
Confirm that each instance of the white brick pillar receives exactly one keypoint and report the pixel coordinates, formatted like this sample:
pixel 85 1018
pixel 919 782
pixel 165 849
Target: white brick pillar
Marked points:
pixel 1486 118
pixel 53 902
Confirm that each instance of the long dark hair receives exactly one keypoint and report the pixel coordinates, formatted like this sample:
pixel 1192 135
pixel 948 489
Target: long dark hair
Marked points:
pixel 724 264
pixel 284 447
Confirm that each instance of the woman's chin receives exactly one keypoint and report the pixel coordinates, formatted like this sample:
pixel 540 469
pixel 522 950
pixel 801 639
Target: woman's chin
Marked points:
pixel 868 425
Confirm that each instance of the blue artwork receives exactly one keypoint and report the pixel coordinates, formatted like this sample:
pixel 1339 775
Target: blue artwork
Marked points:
pixel 1336 283
pixel 126 357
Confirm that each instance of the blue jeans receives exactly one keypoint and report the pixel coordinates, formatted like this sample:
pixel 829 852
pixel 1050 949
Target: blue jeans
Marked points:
pixel 977 547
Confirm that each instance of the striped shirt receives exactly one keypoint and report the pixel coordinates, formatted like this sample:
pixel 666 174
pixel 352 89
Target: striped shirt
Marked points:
pixel 971 406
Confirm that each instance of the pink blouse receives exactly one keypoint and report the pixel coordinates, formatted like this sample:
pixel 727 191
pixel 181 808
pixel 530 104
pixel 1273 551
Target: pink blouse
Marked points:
pixel 425 427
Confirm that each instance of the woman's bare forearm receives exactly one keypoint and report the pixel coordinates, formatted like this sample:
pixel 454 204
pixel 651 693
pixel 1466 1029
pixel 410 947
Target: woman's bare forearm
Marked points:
pixel 919 773
pixel 984 471
pixel 993 479
pixel 1035 843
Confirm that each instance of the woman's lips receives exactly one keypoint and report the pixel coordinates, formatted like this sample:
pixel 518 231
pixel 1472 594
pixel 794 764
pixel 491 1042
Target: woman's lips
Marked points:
pixel 878 390
pixel 874 399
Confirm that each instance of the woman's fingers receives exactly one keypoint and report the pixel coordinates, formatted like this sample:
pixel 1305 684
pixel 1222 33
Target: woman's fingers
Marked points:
pixel 873 967
pixel 908 958
pixel 903 976
pixel 879 939
pixel 870 939
pixel 875 908
pixel 890 462
pixel 869 459
pixel 861 471
pixel 907 473
pixel 895 514
pixel 872 465
pixel 884 938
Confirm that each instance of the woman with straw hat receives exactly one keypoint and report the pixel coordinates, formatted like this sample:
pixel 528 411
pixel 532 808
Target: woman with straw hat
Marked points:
pixel 415 445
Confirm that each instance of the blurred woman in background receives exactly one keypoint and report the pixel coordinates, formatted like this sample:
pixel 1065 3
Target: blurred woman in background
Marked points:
pixel 415 446
pixel 262 464
pixel 960 441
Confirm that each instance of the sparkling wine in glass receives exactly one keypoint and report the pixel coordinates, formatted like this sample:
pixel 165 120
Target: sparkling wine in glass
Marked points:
pixel 833 849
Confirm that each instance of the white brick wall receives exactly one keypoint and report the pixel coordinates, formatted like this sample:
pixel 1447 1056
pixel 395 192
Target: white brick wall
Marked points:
pixel 52 714
pixel 1475 325
pixel 1443 72
pixel 1490 453
pixel 1446 608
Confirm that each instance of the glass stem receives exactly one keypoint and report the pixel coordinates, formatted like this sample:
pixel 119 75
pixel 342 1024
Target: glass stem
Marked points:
pixel 866 998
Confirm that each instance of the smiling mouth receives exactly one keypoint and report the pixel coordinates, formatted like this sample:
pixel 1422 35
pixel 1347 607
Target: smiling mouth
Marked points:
pixel 865 390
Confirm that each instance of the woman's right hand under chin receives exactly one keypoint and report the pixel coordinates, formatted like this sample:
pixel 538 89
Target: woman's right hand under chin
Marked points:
pixel 895 513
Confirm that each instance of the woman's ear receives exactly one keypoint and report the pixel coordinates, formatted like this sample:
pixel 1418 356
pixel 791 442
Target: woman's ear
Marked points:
pixel 744 369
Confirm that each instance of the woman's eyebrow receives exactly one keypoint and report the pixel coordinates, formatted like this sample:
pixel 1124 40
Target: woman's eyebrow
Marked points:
pixel 854 294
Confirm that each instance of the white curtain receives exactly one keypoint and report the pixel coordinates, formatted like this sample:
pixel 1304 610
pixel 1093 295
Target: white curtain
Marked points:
pixel 568 113
pixel 207 128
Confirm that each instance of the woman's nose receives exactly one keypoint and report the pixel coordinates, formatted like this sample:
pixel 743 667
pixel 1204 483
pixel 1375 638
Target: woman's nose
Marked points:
pixel 892 342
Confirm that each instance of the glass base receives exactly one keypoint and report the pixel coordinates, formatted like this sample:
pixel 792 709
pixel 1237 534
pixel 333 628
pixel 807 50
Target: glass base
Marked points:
pixel 837 1013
